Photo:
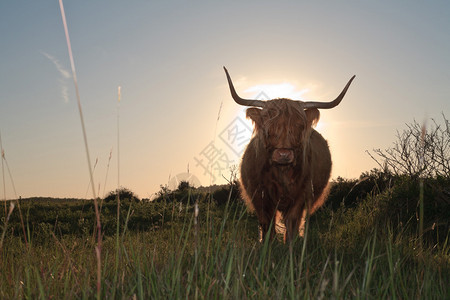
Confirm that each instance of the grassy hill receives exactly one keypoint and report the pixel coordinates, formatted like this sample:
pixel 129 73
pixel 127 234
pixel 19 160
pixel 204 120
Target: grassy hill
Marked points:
pixel 363 244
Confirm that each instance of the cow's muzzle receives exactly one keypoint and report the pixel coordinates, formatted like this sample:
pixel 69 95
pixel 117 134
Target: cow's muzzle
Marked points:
pixel 283 156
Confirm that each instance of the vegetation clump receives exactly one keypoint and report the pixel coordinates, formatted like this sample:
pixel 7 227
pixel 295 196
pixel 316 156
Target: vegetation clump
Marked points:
pixel 418 151
pixel 123 193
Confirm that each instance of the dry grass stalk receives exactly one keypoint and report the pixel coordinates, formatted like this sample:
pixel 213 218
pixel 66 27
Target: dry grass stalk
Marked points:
pixel 98 248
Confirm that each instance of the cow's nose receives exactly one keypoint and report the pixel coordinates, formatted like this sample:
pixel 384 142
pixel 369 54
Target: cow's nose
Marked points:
pixel 283 156
pixel 284 153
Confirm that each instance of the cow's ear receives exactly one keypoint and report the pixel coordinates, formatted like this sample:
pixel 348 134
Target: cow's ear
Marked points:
pixel 313 116
pixel 255 114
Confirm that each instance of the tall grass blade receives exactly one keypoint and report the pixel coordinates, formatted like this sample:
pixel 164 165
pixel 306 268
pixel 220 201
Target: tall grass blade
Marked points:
pixel 90 182
pixel 116 268
pixel 3 174
pixel 3 158
pixel 10 175
pixel 11 208
pixel 119 95
pixel 107 171
pixel 368 271
pixel 421 205
pixel 75 81
pixel 74 76
pixel 291 272
pixel 40 285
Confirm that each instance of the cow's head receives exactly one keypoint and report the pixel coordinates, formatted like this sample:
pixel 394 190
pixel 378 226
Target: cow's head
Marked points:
pixel 284 125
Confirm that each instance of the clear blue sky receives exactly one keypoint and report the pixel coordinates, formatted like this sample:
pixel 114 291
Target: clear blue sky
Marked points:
pixel 167 56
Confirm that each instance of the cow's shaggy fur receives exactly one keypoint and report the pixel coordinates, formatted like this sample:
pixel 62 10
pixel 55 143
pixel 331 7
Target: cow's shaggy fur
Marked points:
pixel 286 166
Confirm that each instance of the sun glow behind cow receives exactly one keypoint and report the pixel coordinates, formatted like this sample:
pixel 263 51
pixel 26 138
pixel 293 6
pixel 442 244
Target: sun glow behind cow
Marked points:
pixel 278 90
pixel 283 90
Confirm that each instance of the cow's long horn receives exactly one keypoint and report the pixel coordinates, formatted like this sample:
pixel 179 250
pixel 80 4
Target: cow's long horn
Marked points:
pixel 335 102
pixel 239 100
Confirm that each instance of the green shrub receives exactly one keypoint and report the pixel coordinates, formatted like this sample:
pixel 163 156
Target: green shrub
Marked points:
pixel 124 194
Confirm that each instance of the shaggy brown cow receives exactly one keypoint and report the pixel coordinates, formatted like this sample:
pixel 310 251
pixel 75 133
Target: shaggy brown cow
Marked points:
pixel 287 164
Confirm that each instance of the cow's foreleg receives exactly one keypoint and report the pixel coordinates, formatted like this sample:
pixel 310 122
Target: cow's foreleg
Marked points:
pixel 295 217
pixel 292 220
pixel 266 213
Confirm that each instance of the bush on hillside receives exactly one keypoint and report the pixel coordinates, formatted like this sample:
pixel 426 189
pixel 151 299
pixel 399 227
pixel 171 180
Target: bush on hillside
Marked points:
pixel 124 194
pixel 227 193
pixel 396 208
pixel 349 192
pixel 419 151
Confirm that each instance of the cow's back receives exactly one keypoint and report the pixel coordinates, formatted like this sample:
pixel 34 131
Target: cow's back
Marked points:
pixel 320 168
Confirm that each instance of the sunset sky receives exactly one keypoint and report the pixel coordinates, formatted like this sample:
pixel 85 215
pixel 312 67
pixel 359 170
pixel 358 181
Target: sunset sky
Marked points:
pixel 176 113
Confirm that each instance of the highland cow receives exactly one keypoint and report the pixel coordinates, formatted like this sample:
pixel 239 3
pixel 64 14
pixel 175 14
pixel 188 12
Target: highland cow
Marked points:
pixel 286 167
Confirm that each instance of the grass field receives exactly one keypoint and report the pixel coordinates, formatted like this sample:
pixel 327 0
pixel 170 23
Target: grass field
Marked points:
pixel 366 249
